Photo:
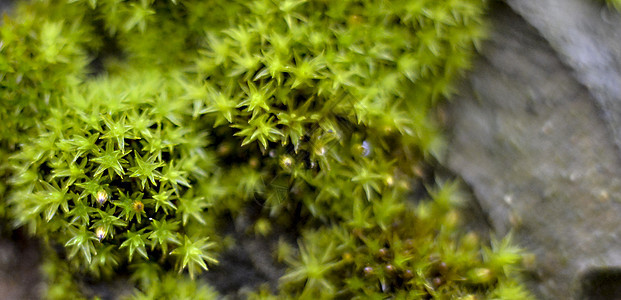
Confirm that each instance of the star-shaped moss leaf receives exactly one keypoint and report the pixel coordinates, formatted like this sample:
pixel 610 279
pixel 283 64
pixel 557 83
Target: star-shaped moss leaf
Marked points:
pixel 110 160
pixel 192 254
pixel 145 169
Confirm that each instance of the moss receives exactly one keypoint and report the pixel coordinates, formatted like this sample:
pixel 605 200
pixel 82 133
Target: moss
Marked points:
pixel 143 125
pixel 614 3
pixel 419 254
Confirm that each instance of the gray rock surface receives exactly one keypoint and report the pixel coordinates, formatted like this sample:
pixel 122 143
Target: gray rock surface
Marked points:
pixel 19 266
pixel 534 139
pixel 587 36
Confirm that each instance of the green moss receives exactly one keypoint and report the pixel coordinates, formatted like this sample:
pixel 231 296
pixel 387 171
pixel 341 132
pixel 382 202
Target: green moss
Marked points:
pixel 157 284
pixel 145 125
pixel 419 254
pixel 614 3
pixel 109 162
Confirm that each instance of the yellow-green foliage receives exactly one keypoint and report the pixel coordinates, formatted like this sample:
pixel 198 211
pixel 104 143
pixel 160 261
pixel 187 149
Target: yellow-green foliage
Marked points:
pixel 419 254
pixel 116 158
pixel 615 3
pixel 134 128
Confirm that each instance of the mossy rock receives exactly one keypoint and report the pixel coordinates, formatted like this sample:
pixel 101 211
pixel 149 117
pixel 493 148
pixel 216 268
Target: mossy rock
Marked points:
pixel 145 125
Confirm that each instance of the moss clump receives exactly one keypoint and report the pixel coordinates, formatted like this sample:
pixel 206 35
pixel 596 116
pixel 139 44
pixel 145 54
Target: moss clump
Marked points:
pixel 144 125
pixel 111 166
pixel 420 254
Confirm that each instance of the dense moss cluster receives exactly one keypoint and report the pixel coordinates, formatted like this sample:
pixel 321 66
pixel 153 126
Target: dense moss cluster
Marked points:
pixel 115 152
pixel 419 255
pixel 135 128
